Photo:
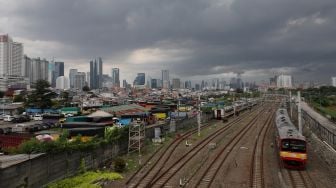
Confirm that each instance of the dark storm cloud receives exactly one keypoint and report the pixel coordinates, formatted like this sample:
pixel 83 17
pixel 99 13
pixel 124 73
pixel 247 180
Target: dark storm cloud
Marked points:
pixel 218 35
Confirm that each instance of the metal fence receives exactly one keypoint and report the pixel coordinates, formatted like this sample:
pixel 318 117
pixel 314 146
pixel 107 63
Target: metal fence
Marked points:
pixel 319 130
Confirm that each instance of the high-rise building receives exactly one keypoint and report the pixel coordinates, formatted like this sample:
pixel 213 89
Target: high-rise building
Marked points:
pixel 176 83
pixel 88 78
pixel 115 77
pixel 165 79
pixel 154 83
pixel 273 81
pixel 39 70
pixel 124 83
pixel 333 81
pixel 72 74
pixel 233 83
pixel 58 70
pixel 187 84
pixel 26 66
pixel 140 80
pixel 79 81
pixel 202 85
pixel 62 82
pixel 284 81
pixel 197 87
pixel 96 73
pixel 159 83
pixel 11 57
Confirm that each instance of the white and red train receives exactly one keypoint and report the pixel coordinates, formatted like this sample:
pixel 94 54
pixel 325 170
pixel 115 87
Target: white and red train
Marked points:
pixel 291 143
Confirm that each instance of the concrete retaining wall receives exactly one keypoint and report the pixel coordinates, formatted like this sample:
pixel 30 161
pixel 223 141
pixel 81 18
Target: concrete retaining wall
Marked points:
pixel 47 168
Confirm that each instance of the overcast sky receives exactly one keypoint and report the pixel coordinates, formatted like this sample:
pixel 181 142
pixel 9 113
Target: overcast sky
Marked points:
pixel 194 39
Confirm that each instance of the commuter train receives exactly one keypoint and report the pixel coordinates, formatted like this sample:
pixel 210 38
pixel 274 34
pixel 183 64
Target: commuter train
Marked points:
pixel 236 108
pixel 291 143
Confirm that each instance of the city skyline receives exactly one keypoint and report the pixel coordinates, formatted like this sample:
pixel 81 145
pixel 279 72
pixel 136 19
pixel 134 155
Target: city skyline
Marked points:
pixel 195 40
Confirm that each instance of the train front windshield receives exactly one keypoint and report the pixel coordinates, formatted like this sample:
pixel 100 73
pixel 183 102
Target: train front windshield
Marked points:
pixel 294 145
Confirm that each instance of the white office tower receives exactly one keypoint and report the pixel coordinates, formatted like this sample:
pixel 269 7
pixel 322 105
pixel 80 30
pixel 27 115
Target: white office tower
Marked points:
pixel 284 81
pixel 11 57
pixel 62 83
pixel 72 74
pixel 79 81
pixel 39 70
pixel 165 79
pixel 333 81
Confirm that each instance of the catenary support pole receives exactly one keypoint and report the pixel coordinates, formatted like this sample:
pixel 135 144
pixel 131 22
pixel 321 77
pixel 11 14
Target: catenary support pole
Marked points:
pixel 290 104
pixel 299 112
pixel 199 115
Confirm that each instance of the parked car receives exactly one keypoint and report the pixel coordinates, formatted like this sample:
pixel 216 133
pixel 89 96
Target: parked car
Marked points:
pixel 38 117
pixel 68 115
pixel 8 118
pixel 20 128
pixel 20 119
pixel 1 116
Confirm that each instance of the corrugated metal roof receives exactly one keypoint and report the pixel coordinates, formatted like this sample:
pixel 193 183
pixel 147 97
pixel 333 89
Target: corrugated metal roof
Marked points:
pixel 128 107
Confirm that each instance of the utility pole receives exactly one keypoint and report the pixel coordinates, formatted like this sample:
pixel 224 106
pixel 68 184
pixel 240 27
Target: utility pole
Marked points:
pixel 299 112
pixel 290 103
pixel 199 115
pixel 178 108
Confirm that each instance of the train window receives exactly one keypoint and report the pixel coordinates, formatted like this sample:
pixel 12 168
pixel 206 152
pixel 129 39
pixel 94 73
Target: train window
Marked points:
pixel 293 145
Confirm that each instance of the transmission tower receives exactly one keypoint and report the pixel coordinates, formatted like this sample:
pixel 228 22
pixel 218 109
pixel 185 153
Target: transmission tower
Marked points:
pixel 136 136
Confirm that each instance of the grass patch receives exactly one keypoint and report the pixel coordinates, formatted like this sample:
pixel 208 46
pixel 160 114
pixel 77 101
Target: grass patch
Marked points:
pixel 87 180
pixel 132 159
pixel 325 110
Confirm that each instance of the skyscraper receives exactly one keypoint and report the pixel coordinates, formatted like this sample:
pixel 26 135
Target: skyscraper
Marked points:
pixel 140 80
pixel 57 72
pixel 96 73
pixel 187 84
pixel 333 81
pixel 124 83
pixel 62 82
pixel 39 69
pixel 27 63
pixel 154 83
pixel 115 77
pixel 176 83
pixel 79 81
pixel 284 81
pixel 72 74
pixel 165 79
pixel 11 57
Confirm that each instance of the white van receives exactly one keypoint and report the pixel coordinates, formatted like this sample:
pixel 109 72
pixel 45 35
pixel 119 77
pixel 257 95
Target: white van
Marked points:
pixel 19 128
pixel 38 117
pixel 8 118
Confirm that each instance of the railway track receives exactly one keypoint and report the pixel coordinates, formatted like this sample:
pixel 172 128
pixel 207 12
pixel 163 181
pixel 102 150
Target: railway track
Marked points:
pixel 257 167
pixel 143 176
pixel 170 171
pixel 211 171
pixel 163 157
pixel 300 179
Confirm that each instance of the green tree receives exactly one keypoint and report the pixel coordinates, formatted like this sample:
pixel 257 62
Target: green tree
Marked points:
pixel 65 98
pixel 41 96
pixel 86 88
pixel 19 98
pixel 2 94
